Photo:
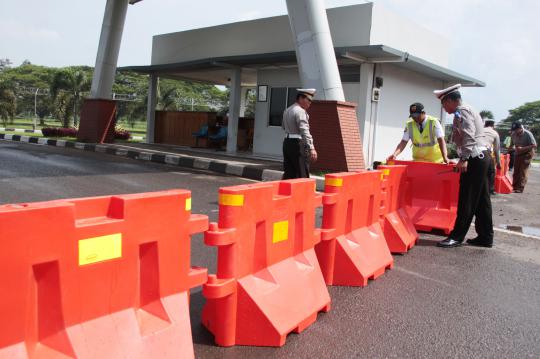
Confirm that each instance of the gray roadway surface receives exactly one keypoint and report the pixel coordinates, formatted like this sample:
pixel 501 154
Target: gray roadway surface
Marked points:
pixel 465 302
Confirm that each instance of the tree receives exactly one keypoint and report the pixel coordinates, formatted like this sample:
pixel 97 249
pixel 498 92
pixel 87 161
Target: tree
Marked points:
pixel 63 108
pixel 43 108
pixel 8 102
pixel 5 64
pixel 486 114
pixel 72 82
pixel 528 114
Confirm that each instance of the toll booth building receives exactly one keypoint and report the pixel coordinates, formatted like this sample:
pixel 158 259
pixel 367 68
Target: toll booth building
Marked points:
pixel 386 63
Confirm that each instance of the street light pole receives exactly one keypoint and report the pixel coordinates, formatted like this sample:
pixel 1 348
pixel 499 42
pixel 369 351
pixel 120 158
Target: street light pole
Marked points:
pixel 35 108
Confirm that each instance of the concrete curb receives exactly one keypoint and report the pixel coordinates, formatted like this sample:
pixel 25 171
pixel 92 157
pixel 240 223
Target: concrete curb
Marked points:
pixel 219 166
pixel 22 130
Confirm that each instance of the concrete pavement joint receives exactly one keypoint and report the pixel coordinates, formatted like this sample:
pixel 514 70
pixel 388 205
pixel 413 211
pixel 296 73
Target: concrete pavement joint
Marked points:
pixel 514 233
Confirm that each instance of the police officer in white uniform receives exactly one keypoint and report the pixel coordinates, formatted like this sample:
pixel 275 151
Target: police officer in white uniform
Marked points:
pixel 298 148
pixel 474 160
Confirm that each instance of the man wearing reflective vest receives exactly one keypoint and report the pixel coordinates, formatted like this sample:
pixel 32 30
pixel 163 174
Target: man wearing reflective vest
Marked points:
pixel 427 136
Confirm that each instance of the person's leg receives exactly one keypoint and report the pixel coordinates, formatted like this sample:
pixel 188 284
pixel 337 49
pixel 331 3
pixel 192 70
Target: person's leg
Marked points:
pixel 464 211
pixel 303 161
pixel 491 176
pixel 517 177
pixel 471 183
pixel 525 169
pixel 290 159
pixel 483 214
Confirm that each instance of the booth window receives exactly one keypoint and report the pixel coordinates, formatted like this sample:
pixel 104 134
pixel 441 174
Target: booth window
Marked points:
pixel 280 99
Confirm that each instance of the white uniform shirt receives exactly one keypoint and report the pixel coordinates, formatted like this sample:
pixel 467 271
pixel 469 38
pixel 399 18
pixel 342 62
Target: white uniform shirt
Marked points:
pixel 439 132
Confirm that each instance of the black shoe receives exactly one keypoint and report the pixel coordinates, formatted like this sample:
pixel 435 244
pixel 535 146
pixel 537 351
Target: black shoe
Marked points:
pixel 477 242
pixel 493 193
pixel 449 243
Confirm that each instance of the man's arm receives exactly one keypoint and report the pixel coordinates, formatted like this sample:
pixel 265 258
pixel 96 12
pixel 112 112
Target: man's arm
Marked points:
pixel 525 149
pixel 497 150
pixel 303 126
pixel 400 147
pixel 442 146
pixel 468 133
pixel 439 133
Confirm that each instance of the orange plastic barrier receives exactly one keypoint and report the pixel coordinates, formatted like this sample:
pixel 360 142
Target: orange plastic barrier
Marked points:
pixel 431 195
pixel 268 280
pixel 503 183
pixel 352 248
pixel 102 277
pixel 398 227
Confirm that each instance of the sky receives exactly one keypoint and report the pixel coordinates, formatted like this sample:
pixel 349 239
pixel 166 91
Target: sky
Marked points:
pixel 492 40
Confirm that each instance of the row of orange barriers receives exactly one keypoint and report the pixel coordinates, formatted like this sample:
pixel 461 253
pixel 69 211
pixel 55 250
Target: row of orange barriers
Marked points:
pixel 110 276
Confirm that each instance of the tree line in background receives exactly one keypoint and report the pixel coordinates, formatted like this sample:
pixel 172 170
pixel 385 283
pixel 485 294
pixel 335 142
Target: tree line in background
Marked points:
pixel 61 91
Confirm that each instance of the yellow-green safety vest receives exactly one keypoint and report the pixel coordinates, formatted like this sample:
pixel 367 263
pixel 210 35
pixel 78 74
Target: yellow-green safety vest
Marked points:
pixel 425 145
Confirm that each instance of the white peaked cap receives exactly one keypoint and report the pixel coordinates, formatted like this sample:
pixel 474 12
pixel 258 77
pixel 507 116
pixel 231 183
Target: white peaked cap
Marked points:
pixel 440 94
pixel 308 92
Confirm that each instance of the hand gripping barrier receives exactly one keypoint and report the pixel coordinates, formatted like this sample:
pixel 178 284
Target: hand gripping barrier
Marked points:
pixel 431 195
pixel 398 227
pixel 268 280
pixel 352 248
pixel 102 277
pixel 503 184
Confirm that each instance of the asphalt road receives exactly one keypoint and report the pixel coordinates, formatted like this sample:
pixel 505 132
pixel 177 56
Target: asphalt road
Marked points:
pixel 463 303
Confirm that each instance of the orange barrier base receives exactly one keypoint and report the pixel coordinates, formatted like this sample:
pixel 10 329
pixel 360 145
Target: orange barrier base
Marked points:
pixel 354 258
pixel 424 219
pixel 273 303
pixel 399 231
pixel 124 334
pixel 503 185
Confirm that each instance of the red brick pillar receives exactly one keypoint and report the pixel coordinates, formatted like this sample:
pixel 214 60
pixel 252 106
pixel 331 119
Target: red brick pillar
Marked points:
pixel 336 135
pixel 98 119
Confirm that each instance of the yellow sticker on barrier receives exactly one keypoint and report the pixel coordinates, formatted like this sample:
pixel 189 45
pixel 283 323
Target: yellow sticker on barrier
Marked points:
pixel 334 182
pixel 231 199
pixel 188 204
pixel 98 249
pixel 281 231
pixel 385 173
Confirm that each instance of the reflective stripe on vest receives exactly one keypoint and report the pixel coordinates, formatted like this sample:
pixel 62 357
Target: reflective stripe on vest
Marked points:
pixel 429 150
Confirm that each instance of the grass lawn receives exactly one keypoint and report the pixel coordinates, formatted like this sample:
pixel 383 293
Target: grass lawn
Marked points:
pixel 61 138
pixel 139 128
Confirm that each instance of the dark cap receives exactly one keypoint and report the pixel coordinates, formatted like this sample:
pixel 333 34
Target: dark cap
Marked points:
pixel 416 107
pixel 489 123
pixel 516 125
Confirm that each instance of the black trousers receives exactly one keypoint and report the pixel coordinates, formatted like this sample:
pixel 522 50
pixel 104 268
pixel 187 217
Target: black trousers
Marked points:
pixel 491 176
pixel 474 201
pixel 295 161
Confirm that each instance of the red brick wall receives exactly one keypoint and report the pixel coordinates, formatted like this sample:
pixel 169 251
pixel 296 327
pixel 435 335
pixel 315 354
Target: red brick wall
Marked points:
pixel 336 135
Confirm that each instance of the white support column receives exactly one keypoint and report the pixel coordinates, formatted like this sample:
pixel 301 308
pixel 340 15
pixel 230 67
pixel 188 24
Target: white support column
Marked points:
pixel 108 49
pixel 314 48
pixel 243 100
pixel 234 109
pixel 151 108
pixel 365 107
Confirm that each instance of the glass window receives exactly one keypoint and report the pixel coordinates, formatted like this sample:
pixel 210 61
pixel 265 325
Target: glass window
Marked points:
pixel 278 102
pixel 291 95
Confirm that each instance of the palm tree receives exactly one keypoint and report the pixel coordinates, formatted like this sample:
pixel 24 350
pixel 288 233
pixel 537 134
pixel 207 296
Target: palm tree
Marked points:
pixel 74 83
pixel 487 114
pixel 8 103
